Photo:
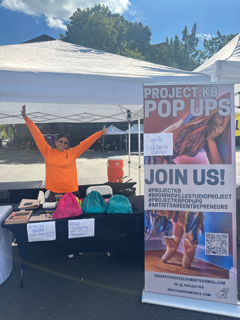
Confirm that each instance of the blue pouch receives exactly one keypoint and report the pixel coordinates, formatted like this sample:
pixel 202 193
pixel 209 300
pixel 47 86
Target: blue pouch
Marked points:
pixel 119 204
pixel 94 203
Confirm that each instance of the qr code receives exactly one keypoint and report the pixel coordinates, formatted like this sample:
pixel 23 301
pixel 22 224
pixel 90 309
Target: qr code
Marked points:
pixel 216 244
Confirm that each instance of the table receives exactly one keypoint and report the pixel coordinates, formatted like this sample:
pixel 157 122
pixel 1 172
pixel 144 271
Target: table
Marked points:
pixel 119 233
pixel 21 189
pixel 5 245
pixel 30 189
pixel 125 187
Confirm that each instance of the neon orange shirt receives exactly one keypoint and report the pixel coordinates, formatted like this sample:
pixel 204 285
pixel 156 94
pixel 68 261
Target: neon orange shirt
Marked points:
pixel 60 166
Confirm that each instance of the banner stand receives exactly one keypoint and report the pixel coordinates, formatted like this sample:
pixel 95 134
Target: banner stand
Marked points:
pixel 222 309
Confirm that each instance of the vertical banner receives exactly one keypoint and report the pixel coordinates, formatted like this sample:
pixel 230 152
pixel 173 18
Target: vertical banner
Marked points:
pixel 190 191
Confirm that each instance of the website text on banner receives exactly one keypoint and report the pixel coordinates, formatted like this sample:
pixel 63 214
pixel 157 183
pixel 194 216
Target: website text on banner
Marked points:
pixel 190 191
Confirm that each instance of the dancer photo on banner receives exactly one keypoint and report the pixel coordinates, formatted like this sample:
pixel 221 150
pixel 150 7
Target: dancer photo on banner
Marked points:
pixel 198 140
pixel 198 241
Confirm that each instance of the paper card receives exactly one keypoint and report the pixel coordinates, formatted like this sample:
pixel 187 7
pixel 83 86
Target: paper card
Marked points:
pixel 158 144
pixel 41 231
pixel 81 228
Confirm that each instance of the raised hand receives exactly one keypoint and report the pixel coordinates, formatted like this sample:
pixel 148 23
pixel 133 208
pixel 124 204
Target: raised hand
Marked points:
pixel 23 111
pixel 104 130
pixel 217 130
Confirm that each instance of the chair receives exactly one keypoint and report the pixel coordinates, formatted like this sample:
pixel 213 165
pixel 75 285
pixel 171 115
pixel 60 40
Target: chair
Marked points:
pixel 103 190
pixel 4 195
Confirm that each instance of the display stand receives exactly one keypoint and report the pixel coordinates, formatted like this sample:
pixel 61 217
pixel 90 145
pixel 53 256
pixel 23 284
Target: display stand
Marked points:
pixel 190 228
pixel 222 309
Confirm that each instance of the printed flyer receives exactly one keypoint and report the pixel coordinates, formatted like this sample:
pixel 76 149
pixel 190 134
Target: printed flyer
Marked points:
pixel 190 191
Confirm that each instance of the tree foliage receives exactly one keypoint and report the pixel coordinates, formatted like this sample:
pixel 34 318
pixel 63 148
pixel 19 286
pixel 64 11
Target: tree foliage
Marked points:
pixel 100 29
pixel 215 44
pixel 5 129
pixel 181 54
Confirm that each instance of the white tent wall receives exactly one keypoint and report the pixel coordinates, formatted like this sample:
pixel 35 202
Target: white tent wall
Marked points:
pixel 224 66
pixel 62 82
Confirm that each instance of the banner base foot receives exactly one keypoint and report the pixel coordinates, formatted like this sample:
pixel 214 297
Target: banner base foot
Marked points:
pixel 166 300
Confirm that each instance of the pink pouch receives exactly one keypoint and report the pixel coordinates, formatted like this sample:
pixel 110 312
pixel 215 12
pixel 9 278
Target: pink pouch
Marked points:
pixel 67 207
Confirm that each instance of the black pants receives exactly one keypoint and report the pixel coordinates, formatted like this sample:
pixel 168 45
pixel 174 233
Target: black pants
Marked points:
pixel 52 198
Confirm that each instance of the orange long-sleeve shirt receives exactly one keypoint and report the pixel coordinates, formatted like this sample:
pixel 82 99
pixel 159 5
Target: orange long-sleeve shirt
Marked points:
pixel 60 166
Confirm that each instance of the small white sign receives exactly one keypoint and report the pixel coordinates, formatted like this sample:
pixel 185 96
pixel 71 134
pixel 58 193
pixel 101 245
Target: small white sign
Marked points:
pixel 158 144
pixel 81 228
pixel 41 231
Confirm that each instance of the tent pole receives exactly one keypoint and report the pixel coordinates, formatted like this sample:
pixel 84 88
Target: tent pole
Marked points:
pixel 139 156
pixel 102 142
pixel 129 148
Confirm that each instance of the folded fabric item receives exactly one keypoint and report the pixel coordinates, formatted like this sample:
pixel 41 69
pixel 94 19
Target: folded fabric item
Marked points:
pixel 119 204
pixel 49 205
pixel 94 203
pixel 29 204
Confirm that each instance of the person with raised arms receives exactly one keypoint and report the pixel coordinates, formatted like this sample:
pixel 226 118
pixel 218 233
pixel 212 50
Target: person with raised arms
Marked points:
pixel 60 163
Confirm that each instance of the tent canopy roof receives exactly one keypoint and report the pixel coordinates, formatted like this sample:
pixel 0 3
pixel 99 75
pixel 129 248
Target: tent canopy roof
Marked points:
pixel 225 64
pixel 63 82
pixel 63 57
pixel 112 130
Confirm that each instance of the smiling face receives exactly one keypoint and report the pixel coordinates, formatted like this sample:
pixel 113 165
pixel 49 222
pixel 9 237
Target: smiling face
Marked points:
pixel 61 144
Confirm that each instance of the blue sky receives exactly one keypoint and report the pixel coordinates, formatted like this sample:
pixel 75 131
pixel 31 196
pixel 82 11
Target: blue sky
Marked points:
pixel 22 20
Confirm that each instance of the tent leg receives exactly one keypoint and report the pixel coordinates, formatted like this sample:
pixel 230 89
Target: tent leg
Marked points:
pixel 129 148
pixel 139 156
pixel 102 142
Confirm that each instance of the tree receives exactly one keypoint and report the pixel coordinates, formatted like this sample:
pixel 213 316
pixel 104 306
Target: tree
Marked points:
pixel 5 129
pixel 179 54
pixel 184 54
pixel 215 44
pixel 100 29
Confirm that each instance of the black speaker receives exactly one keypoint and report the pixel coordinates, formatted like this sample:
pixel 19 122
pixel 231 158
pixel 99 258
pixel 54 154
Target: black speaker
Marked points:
pixel 129 115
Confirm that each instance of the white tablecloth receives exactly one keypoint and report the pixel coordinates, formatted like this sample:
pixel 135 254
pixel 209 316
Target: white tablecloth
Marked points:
pixel 6 263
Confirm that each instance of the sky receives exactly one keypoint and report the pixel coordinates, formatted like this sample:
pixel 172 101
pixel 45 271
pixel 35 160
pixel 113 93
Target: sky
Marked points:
pixel 22 20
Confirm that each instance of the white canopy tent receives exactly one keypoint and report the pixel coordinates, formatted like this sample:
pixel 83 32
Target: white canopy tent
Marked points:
pixel 134 129
pixel 224 66
pixel 112 130
pixel 63 82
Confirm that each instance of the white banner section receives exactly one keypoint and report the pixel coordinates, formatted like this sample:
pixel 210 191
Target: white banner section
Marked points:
pixel 218 290
pixel 189 188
